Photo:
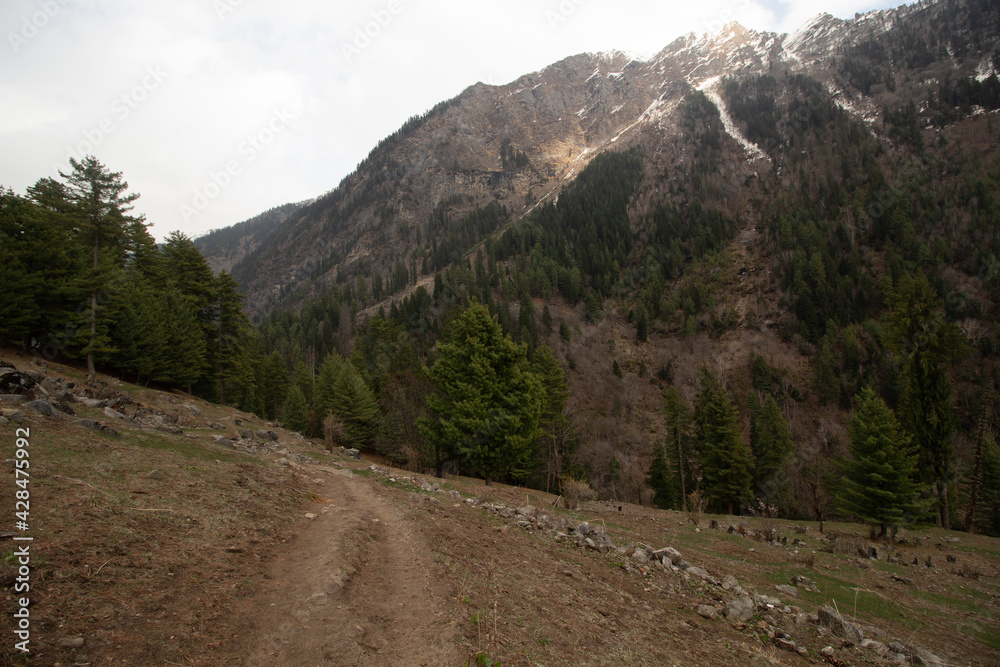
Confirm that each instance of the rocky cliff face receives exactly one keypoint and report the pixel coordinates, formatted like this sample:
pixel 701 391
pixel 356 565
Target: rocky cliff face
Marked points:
pixel 454 158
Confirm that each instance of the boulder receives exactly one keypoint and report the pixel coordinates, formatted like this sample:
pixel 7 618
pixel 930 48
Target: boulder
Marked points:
pixel 527 510
pixel 831 618
pixel 668 554
pixel 114 414
pixel 802 581
pixel 17 382
pixel 707 611
pixel 739 609
pixel 267 435
pixel 94 425
pixel 790 591
pixel 43 408
pixel 13 399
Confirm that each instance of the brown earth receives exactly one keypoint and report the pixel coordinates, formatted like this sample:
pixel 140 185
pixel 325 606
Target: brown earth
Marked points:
pixel 216 563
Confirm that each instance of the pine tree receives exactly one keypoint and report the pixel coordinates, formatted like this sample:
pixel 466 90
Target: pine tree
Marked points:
pixel 877 483
pixel 552 420
pixel 99 207
pixel 273 383
pixel 770 442
pixel 353 403
pixel 929 344
pixel 660 479
pixel 486 403
pixel 296 415
pixel 678 445
pixel 726 461
pixel 228 329
pixel 184 343
pixel 642 325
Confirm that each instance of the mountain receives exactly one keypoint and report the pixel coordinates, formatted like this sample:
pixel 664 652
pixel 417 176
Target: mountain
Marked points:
pixel 455 158
pixel 782 219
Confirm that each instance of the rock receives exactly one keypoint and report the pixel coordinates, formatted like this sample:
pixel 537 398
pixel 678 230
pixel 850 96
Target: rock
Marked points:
pixel 766 601
pixel 267 435
pixel 17 382
pixel 97 426
pixel 155 474
pixel 346 472
pixel 729 583
pixel 70 642
pixel 641 556
pixel 527 510
pixel 310 516
pixel 873 645
pixel 698 572
pixel 114 414
pixel 916 655
pixel 739 609
pixel 356 455
pixel 786 644
pixel 707 611
pixel 194 409
pixel 455 494
pixel 831 618
pixel 790 591
pixel 826 651
pixel 93 402
pixel 668 553
pixel 13 399
pixel 903 580
pixel 15 416
pixel 43 408
pixel 247 434
pixel 523 524
pixel 802 581
pixel 581 529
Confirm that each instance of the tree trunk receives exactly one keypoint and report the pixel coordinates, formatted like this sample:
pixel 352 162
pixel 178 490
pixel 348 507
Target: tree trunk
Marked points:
pixel 91 372
pixel 971 512
pixel 489 479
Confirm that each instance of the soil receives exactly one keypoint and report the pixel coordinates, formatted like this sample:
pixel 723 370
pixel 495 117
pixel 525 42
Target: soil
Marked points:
pixel 215 562
pixel 358 587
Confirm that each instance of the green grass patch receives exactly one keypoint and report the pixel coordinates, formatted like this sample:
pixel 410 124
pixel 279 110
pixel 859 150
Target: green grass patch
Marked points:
pixel 186 447
pixel 987 633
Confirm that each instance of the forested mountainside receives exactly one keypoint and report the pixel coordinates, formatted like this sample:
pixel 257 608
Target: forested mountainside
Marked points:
pixel 755 266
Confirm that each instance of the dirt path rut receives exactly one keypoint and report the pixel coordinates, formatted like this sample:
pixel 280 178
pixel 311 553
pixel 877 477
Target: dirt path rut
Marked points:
pixel 357 587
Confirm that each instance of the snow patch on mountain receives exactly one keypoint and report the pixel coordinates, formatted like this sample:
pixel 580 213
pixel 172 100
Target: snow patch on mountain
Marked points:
pixel 708 86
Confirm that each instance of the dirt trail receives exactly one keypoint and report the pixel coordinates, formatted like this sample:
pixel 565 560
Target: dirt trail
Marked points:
pixel 357 587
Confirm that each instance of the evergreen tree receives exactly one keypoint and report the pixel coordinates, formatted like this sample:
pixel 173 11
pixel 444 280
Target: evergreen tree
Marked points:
pixel 642 325
pixel 928 344
pixel 678 445
pixel 660 479
pixel 229 328
pixel 877 483
pixel 273 383
pixel 726 462
pixel 184 343
pixel 353 403
pixel 770 442
pixel 99 207
pixel 486 402
pixel 552 420
pixel 296 415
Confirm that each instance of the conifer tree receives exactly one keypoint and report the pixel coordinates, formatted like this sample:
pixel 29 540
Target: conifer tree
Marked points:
pixel 99 207
pixel 296 415
pixel 353 403
pixel 726 461
pixel 552 420
pixel 660 478
pixel 877 483
pixel 486 402
pixel 678 446
pixel 929 345
pixel 770 440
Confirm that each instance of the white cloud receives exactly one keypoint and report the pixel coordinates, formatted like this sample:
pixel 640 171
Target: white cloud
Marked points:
pixel 350 72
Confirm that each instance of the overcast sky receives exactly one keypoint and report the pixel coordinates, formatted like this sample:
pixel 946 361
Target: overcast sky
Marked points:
pixel 217 110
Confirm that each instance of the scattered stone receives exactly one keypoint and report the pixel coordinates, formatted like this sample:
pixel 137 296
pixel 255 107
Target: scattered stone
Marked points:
pixel 873 645
pixel 13 399
pixel 786 644
pixel 707 611
pixel 953 540
pixel 766 601
pixel 70 642
pixel 805 582
pixel 15 416
pixel 739 609
pixel 668 554
pixel 826 651
pixel 310 516
pixel 698 572
pixel 790 591
pixel 590 544
pixel 194 409
pixel 247 434
pixel 155 474
pixel 455 494
pixel 641 556
pixel 267 435
pixel 831 618
pixel 951 559
pixel 527 510
pixel 114 414
pixel 98 426
pixel 903 580
pixel 17 382
pixel 346 472
pixel 43 408
pixel 729 583
pixel 350 453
